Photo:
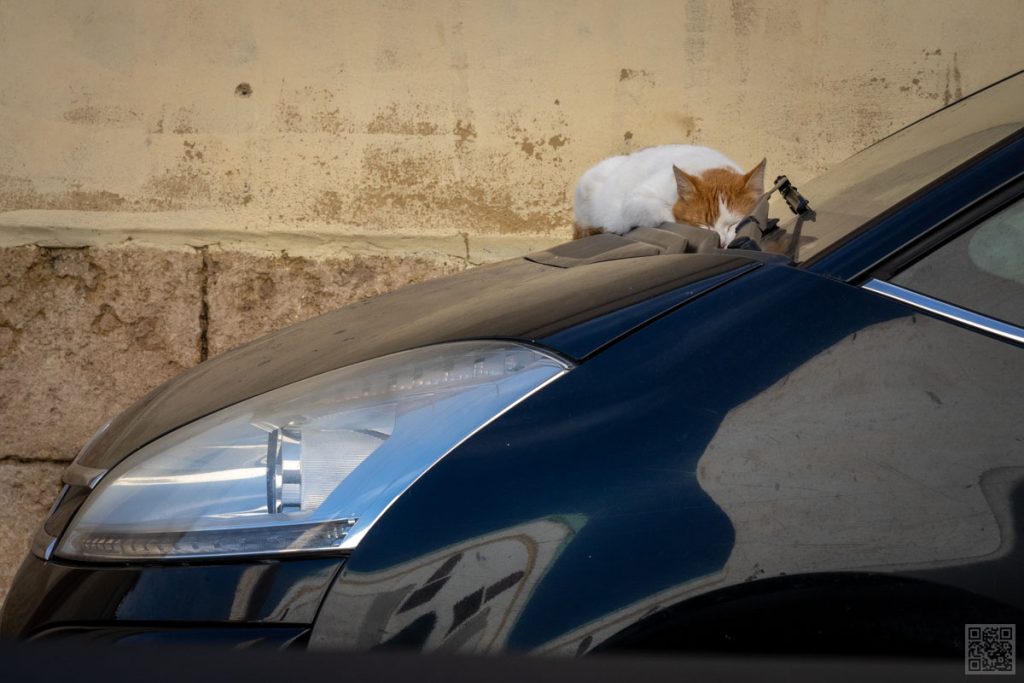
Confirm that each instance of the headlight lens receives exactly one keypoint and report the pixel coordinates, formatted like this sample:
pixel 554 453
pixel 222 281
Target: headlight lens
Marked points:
pixel 308 467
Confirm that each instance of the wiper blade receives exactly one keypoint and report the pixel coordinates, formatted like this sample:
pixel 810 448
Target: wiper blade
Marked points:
pixel 758 218
pixel 797 203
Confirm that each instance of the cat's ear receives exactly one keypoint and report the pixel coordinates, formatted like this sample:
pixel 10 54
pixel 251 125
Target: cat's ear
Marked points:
pixel 754 180
pixel 686 184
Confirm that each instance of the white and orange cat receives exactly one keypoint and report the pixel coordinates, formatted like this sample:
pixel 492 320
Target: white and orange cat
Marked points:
pixel 674 183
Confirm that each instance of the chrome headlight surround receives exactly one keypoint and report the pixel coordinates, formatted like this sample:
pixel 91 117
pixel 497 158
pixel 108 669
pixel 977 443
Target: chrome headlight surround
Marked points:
pixel 305 468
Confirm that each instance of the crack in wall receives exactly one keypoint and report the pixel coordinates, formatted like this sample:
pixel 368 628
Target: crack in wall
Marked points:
pixel 204 304
pixel 19 459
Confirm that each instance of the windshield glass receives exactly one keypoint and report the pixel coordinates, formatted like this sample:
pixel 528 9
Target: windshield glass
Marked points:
pixel 881 176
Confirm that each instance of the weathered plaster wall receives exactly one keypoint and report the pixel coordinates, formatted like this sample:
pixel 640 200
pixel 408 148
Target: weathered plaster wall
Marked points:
pixel 177 178
pixel 451 117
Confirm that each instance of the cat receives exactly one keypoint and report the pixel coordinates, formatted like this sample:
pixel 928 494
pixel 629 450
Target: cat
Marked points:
pixel 674 183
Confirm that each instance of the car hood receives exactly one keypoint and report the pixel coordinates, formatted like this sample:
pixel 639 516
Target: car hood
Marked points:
pixel 574 311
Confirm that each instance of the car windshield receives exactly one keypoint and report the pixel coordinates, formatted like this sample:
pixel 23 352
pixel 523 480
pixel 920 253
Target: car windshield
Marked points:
pixel 881 176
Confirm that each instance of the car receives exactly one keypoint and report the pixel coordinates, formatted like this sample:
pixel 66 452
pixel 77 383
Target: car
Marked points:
pixel 809 443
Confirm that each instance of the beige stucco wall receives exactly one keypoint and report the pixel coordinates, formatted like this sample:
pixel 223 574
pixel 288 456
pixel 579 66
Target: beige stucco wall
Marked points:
pixel 440 118
pixel 152 213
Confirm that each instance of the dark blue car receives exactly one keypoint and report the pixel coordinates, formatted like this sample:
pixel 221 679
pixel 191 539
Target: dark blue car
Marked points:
pixel 812 442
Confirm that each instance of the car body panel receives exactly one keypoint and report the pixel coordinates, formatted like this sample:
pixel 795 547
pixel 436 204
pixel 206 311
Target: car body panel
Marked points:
pixel 719 475
pixel 836 613
pixel 213 638
pixel 267 593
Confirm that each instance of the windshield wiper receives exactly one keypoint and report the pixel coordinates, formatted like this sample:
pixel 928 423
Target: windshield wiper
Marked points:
pixel 758 217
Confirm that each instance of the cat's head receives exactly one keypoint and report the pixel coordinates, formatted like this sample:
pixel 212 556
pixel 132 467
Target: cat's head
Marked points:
pixel 718 198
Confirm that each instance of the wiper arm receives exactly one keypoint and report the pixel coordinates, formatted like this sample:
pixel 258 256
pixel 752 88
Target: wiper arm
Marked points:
pixel 797 203
pixel 758 217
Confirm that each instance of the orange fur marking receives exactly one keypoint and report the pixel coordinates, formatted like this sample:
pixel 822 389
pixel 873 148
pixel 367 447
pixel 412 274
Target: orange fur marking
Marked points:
pixel 700 196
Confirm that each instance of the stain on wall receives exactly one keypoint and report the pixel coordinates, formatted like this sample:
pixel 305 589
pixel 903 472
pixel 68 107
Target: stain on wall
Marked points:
pixel 485 112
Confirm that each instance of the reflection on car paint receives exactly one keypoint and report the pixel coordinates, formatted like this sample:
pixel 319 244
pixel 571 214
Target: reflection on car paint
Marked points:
pixel 644 414
pixel 582 640
pixel 463 598
pixel 905 496
pixel 875 448
pixel 918 479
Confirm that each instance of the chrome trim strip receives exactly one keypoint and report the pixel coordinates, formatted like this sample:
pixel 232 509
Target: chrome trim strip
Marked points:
pixel 945 310
pixel 43 544
pixel 57 502
pixel 80 475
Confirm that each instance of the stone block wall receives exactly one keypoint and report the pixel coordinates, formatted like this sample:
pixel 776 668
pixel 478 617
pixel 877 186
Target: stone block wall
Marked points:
pixel 86 331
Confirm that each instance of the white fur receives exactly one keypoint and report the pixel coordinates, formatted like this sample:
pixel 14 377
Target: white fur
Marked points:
pixel 726 224
pixel 639 189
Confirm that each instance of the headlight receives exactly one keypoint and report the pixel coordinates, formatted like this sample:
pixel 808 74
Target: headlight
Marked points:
pixel 305 468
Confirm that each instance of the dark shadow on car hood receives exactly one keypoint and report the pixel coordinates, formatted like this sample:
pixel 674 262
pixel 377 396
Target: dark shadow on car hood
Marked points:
pixel 574 311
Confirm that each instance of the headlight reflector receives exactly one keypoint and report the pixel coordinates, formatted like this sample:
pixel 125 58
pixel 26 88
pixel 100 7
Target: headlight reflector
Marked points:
pixel 308 467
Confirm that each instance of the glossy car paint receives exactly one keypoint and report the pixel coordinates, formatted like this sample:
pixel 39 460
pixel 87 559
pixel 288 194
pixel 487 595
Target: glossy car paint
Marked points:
pixel 872 439
pixel 257 595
